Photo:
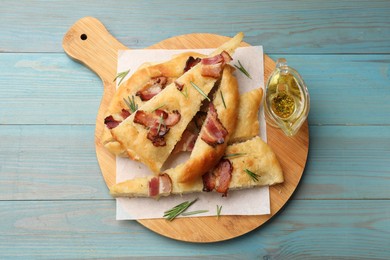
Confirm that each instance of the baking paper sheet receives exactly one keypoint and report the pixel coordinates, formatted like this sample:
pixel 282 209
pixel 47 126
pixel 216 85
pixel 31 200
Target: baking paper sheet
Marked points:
pixel 243 202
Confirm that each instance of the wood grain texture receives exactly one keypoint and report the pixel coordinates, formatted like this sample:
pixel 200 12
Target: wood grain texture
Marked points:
pixel 87 229
pixel 291 151
pixel 281 26
pixel 58 89
pixel 341 208
pixel 345 162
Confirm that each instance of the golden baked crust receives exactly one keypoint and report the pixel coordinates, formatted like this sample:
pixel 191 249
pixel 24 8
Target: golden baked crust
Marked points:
pixel 171 69
pixel 133 136
pixel 204 156
pixel 248 121
pixel 253 155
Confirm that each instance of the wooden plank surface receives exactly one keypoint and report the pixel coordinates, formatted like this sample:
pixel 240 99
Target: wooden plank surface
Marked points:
pixel 304 230
pixel 58 89
pixel 283 26
pixel 341 206
pixel 345 162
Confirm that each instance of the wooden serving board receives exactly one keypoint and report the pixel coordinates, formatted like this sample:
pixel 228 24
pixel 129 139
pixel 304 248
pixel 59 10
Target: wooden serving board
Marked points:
pixel 89 42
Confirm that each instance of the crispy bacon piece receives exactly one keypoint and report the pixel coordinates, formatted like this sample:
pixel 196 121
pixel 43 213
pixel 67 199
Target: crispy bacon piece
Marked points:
pixel 154 184
pixel 179 85
pixel 160 185
pixel 152 88
pixel 191 62
pixel 212 66
pixel 125 113
pixel 158 123
pixel 110 122
pixel 157 132
pixel 173 118
pixel 186 143
pixel 219 178
pixel 214 132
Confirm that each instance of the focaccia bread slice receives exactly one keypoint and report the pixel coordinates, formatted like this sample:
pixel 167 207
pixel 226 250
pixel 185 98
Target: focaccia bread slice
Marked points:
pixel 215 132
pixel 245 165
pixel 248 125
pixel 146 82
pixel 152 140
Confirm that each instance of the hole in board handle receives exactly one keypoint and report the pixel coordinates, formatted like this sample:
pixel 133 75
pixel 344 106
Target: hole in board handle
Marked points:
pixel 83 37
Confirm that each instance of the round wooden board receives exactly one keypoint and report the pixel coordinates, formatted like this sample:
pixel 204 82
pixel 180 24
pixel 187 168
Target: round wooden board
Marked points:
pixel 99 52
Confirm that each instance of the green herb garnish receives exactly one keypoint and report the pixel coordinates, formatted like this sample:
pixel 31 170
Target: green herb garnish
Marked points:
pixel 158 107
pixel 184 92
pixel 223 100
pixel 121 76
pixel 178 209
pixel 131 104
pixel 219 208
pixel 233 155
pixel 253 175
pixel 200 91
pixel 194 212
pixel 242 69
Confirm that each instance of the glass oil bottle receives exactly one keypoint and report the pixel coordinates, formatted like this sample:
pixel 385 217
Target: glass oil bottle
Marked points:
pixel 287 101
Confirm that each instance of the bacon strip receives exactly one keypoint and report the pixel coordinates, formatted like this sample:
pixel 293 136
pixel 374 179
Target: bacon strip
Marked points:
pixel 219 178
pixel 191 62
pixel 212 66
pixel 152 88
pixel 213 132
pixel 160 185
pixel 110 122
pixel 158 122
pixel 125 113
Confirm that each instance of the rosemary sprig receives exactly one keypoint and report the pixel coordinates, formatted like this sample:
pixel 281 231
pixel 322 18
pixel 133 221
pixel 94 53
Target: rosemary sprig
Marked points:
pixel 242 69
pixel 254 176
pixel 158 107
pixel 200 91
pixel 131 104
pixel 178 209
pixel 194 212
pixel 223 100
pixel 184 92
pixel 219 208
pixel 121 76
pixel 233 155
pixel 160 122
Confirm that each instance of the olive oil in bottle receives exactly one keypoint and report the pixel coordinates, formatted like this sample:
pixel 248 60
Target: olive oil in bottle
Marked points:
pixel 287 99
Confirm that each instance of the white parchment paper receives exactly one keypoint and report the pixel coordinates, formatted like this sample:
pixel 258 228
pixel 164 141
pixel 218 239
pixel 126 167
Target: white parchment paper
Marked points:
pixel 243 202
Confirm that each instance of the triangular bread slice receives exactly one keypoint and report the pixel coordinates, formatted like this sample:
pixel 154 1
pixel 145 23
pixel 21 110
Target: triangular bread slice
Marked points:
pixel 253 155
pixel 205 156
pixel 133 136
pixel 169 70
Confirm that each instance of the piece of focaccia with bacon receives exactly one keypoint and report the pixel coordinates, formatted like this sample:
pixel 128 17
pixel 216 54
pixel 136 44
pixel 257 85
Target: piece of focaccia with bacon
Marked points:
pixel 144 84
pixel 215 132
pixel 150 134
pixel 245 165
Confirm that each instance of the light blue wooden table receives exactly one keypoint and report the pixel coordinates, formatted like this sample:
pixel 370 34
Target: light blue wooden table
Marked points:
pixel 53 200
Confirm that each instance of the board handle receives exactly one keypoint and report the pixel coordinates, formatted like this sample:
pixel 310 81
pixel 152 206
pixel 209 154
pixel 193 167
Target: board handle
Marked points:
pixel 89 42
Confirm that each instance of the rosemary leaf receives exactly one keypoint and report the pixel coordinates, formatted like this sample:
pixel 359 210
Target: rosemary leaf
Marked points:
pixel 254 176
pixel 184 92
pixel 223 100
pixel 158 107
pixel 242 69
pixel 121 76
pixel 233 155
pixel 171 214
pixel 194 212
pixel 131 104
pixel 200 91
pixel 219 208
